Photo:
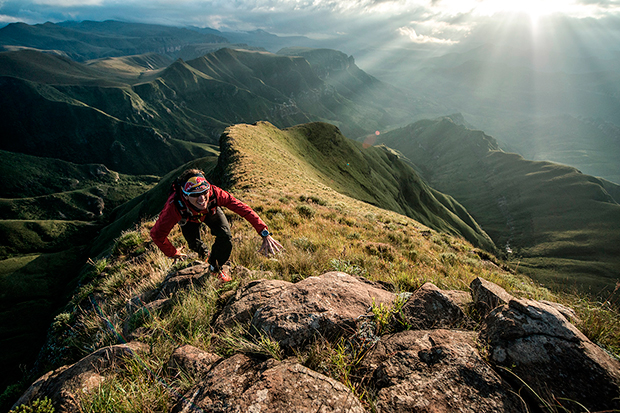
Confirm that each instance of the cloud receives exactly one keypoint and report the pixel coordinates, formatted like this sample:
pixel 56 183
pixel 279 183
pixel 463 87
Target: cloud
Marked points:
pixel 416 38
pixel 364 23
pixel 68 3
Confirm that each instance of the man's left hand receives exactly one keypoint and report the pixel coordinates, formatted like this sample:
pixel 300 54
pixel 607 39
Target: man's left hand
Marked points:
pixel 270 246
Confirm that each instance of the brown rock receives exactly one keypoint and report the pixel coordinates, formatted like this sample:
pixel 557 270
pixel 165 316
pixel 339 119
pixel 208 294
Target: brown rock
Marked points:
pixel 183 279
pixel 436 371
pixel 548 353
pixel 191 360
pixel 429 307
pixel 248 299
pixel 487 296
pixel 64 384
pixel 242 384
pixel 328 305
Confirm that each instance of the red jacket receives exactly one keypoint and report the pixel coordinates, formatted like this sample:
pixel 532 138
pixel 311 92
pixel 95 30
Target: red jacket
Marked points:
pixel 171 215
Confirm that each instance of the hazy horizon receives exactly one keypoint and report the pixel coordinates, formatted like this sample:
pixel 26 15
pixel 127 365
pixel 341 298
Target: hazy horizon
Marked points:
pixel 567 26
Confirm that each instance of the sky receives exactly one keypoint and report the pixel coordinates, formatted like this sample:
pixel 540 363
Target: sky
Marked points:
pixel 397 22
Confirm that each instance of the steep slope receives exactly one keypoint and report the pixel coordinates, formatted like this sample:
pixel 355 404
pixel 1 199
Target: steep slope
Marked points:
pixel 41 120
pixel 130 67
pixel 340 72
pixel 554 106
pixel 373 175
pixel 560 224
pixel 50 210
pixel 49 68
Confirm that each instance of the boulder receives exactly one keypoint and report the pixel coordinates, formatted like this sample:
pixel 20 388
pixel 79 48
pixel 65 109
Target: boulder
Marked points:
pixel 328 305
pixel 248 299
pixel 487 296
pixel 191 360
pixel 64 385
pixel 243 384
pixel 546 352
pixel 182 279
pixel 429 307
pixel 436 371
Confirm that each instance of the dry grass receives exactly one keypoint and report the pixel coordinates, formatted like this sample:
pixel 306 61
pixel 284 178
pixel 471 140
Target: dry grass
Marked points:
pixel 321 231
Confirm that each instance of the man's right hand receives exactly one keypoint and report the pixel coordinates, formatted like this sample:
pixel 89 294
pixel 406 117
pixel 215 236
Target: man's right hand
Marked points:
pixel 179 255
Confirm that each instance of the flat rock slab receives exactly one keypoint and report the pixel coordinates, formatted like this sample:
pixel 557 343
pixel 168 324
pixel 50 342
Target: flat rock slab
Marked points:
pixel 328 305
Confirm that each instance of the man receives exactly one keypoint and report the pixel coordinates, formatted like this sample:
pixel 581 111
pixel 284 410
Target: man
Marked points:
pixel 194 201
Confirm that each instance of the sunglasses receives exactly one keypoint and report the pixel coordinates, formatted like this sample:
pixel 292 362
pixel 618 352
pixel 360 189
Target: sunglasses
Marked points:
pixel 198 195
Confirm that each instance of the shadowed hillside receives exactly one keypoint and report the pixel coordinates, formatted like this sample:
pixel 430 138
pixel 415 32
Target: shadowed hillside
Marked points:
pixel 50 210
pixel 562 226
pixel 124 112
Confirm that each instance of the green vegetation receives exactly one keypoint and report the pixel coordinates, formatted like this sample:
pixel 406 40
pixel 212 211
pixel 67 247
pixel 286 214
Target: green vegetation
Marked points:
pixel 38 406
pixel 51 210
pixel 560 226
pixel 341 234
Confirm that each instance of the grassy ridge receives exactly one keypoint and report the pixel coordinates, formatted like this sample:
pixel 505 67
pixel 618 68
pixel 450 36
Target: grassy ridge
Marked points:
pixel 372 175
pixel 320 228
pixel 562 226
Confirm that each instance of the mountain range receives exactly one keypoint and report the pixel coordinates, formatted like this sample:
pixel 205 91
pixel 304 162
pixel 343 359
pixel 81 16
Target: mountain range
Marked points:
pixel 544 104
pixel 559 225
pixel 97 121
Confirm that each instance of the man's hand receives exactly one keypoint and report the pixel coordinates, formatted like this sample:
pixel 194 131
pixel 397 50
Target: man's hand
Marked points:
pixel 270 246
pixel 179 255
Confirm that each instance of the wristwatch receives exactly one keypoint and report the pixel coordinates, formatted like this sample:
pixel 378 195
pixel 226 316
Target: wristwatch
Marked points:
pixel 265 233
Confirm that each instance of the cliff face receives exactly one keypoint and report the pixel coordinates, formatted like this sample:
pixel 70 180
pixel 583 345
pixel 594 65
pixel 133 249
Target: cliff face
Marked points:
pixel 420 351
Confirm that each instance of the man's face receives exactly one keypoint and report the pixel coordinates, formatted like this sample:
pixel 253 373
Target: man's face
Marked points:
pixel 199 201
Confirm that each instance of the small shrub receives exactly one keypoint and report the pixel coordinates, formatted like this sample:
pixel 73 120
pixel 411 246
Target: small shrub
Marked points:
pixel 43 405
pixel 129 242
pixel 354 235
pixel 238 340
pixel 347 267
pixel 306 211
pixel 385 251
pixel 312 198
pixel 305 244
pixel 449 258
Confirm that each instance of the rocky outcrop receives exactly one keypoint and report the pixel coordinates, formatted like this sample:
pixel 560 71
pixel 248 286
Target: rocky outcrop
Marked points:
pixel 430 307
pixel 64 385
pixel 541 348
pixel 248 299
pixel 514 355
pixel 328 305
pixel 437 371
pixel 243 384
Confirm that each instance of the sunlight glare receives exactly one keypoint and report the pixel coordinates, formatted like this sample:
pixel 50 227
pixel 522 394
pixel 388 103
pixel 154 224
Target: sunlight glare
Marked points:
pixel 534 8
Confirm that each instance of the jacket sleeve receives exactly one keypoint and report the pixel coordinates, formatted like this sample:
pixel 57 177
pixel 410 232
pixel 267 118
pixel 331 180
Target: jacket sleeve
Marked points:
pixel 168 218
pixel 227 200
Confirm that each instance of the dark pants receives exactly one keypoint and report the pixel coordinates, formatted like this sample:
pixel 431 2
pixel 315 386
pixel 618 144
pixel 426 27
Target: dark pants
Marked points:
pixel 220 229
